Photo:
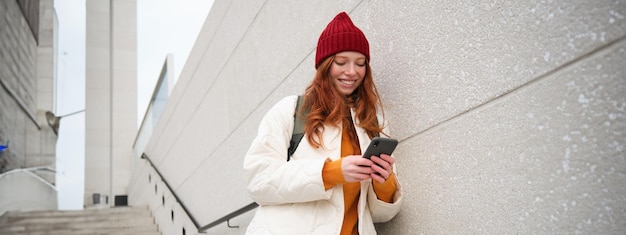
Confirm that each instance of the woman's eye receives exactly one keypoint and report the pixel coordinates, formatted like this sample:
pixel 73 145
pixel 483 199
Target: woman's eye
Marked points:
pixel 340 63
pixel 360 65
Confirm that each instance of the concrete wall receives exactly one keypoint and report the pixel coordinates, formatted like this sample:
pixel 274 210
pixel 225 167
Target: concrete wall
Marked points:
pixel 111 97
pixel 42 149
pixel 17 95
pixel 510 114
pixel 26 78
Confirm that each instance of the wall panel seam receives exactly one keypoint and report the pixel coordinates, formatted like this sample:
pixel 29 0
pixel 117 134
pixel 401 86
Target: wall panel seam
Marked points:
pixel 508 93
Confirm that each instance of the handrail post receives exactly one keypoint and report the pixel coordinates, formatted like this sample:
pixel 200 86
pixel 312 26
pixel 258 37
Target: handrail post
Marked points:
pixel 226 218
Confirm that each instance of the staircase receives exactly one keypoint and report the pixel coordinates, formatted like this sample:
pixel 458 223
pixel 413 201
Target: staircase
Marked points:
pixel 110 221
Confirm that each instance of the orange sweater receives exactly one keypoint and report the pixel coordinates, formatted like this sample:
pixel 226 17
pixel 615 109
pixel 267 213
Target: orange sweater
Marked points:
pixel 332 175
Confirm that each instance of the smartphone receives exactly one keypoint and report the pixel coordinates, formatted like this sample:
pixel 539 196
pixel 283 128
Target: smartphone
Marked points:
pixel 380 145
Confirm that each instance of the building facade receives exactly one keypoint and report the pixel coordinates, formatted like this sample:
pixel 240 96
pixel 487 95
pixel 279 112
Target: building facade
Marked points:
pixel 110 99
pixel 28 125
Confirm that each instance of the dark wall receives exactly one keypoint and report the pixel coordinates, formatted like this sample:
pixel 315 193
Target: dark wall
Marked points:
pixel 30 9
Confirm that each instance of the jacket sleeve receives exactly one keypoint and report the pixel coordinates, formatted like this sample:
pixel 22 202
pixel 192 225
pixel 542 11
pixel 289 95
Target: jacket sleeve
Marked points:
pixel 270 178
pixel 383 211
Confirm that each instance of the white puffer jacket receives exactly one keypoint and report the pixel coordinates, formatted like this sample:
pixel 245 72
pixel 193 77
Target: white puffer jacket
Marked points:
pixel 291 194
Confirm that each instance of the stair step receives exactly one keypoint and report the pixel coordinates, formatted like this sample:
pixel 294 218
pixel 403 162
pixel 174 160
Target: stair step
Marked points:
pixel 86 212
pixel 85 231
pixel 34 226
pixel 70 232
pixel 122 218
pixel 118 220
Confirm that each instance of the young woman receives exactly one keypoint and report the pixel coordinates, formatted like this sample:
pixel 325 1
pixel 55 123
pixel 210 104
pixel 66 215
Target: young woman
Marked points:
pixel 326 187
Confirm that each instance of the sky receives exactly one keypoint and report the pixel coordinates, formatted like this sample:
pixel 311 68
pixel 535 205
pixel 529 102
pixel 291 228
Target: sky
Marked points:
pixel 163 26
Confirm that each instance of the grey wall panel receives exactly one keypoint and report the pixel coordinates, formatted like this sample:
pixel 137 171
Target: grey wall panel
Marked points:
pixel 435 60
pixel 546 158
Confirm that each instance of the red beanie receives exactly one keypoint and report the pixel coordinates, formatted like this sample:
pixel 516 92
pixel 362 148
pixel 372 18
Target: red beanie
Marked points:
pixel 341 35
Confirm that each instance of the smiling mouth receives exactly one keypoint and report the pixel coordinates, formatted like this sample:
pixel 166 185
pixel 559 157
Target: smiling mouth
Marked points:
pixel 347 82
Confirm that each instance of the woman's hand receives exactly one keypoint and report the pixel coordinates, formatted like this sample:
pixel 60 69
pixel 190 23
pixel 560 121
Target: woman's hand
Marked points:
pixel 355 168
pixel 382 168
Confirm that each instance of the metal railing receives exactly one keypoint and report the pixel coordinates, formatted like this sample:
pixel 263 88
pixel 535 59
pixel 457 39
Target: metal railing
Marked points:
pixel 201 229
pixel 227 218
pixel 195 222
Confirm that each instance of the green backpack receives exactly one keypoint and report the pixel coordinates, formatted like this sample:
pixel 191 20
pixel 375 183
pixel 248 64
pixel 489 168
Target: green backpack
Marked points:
pixel 298 128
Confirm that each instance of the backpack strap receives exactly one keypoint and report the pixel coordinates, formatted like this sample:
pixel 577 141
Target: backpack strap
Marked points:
pixel 298 128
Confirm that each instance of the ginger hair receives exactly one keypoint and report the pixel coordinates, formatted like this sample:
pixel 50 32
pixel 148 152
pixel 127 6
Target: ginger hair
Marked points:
pixel 327 106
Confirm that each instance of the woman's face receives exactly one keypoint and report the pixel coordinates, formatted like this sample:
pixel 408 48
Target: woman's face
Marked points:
pixel 347 71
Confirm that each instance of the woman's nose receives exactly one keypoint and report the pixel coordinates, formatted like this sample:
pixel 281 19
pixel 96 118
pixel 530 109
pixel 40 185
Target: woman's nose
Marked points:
pixel 350 70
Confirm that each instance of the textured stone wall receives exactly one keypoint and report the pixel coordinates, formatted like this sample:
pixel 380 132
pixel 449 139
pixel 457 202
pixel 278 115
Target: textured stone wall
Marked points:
pixel 22 122
pixel 510 115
